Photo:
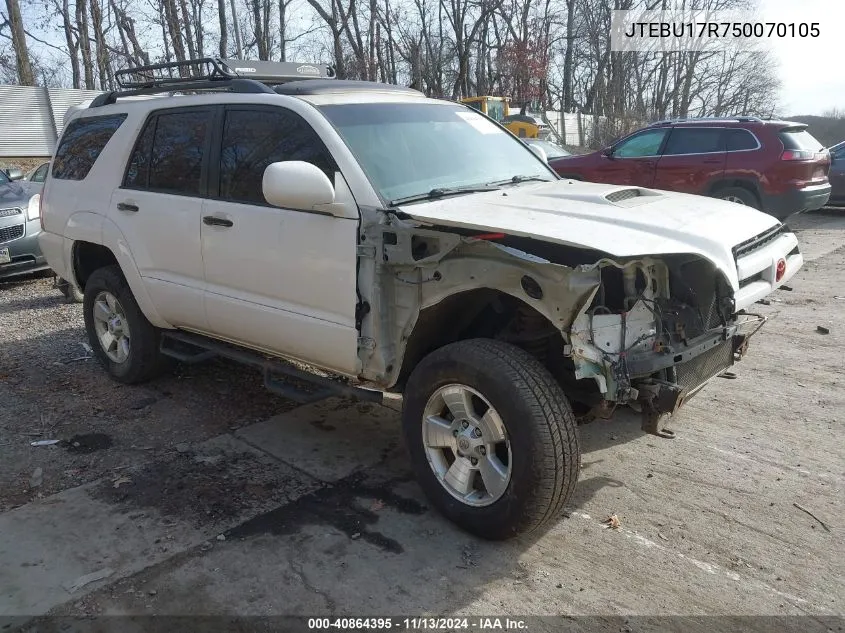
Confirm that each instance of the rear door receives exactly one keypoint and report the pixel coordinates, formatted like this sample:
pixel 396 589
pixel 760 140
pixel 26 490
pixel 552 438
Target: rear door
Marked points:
pixel 634 159
pixel 693 157
pixel 158 209
pixel 280 280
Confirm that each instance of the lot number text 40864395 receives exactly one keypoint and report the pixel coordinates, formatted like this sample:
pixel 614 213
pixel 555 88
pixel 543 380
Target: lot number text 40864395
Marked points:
pixel 418 624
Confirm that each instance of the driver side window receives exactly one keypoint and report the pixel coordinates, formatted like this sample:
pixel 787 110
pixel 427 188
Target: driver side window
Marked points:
pixel 645 144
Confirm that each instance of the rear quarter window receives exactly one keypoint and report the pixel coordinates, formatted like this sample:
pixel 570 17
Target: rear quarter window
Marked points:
pixel 82 143
pixel 740 140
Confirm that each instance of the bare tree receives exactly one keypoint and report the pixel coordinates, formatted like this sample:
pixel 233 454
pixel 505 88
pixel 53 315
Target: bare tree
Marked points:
pixel 14 21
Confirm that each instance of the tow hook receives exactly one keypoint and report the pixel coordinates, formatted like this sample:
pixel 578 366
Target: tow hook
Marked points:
pixel 652 421
pixel 740 345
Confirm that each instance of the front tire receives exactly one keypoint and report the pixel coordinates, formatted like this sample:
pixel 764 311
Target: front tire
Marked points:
pixel 125 343
pixel 492 437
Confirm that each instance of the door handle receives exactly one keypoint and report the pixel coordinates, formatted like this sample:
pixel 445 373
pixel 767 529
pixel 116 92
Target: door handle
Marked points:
pixel 712 162
pixel 128 207
pixel 213 220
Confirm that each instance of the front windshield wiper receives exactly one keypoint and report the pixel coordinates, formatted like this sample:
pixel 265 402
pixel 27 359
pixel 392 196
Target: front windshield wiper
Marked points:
pixel 442 192
pixel 520 178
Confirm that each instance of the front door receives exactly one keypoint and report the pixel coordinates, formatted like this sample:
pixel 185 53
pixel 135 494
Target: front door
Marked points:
pixel 693 158
pixel 158 210
pixel 633 161
pixel 279 280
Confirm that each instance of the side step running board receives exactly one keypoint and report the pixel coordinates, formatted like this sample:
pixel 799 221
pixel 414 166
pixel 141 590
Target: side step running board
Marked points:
pixel 301 386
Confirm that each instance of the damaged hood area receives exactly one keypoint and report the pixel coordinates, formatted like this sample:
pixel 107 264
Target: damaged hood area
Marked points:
pixel 620 221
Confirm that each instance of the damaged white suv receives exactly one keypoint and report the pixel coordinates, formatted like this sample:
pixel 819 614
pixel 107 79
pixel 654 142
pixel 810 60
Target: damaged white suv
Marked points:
pixel 397 243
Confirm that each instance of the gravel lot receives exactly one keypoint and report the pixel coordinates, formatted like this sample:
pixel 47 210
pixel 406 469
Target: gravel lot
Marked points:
pixel 202 493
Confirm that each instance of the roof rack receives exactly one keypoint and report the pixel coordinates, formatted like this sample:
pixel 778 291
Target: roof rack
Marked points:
pixel 209 73
pixel 740 119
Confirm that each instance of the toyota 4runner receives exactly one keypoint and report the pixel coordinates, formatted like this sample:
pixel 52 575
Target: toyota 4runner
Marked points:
pixel 396 243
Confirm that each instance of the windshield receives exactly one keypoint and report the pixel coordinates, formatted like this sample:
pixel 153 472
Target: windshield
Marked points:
pixel 4 179
pixel 408 149
pixel 496 110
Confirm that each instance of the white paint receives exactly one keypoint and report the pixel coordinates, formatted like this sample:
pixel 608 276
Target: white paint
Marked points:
pixel 579 214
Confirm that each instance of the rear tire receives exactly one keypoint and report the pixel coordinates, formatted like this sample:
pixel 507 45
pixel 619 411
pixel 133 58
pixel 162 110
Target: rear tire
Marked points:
pixel 738 195
pixel 533 415
pixel 125 343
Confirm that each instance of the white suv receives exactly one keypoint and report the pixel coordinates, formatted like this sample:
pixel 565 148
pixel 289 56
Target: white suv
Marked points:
pixel 398 243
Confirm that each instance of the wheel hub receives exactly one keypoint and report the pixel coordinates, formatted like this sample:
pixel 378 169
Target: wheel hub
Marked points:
pixel 467 445
pixel 109 326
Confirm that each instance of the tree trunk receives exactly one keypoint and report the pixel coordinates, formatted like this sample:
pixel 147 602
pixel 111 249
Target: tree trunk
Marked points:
pixel 84 43
pixel 102 53
pixel 72 45
pixel 24 66
pixel 238 48
pixel 224 35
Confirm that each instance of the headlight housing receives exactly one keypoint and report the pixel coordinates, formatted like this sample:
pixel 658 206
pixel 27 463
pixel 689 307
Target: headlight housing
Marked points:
pixel 33 210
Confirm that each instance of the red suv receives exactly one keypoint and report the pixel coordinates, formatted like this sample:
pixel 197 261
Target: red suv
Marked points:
pixel 775 166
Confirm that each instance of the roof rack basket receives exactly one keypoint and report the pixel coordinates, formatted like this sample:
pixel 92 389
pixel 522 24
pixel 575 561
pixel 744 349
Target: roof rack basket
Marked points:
pixel 216 69
pixel 210 73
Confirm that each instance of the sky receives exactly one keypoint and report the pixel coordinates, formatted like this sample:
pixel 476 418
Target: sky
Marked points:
pixel 812 70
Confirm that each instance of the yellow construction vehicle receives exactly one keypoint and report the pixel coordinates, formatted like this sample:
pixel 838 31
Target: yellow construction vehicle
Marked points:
pixel 497 108
pixel 523 124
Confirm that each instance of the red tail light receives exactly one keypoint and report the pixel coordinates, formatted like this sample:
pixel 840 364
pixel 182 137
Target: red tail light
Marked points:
pixel 781 269
pixel 798 154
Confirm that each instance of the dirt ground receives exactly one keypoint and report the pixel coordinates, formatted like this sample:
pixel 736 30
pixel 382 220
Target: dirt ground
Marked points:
pixel 203 494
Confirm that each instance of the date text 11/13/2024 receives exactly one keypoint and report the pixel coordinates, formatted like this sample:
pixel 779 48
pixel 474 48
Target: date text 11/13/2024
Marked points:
pixel 418 624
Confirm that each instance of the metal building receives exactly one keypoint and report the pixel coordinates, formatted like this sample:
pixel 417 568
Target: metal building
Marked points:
pixel 31 118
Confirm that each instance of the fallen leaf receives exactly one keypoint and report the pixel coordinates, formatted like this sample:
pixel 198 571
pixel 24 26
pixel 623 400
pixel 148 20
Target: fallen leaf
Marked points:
pixel 660 534
pixel 123 479
pixel 612 522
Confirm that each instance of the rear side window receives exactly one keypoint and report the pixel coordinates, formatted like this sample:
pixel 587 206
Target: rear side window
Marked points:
pixel 82 143
pixel 799 138
pixel 254 138
pixel 169 154
pixel 738 140
pixel 694 141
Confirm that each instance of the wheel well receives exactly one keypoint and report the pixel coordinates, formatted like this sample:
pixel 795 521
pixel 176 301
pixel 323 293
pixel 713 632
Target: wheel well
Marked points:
pixel 748 185
pixel 484 313
pixel 88 257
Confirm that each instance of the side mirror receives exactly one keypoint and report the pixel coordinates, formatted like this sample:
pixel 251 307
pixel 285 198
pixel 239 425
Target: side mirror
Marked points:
pixel 607 152
pixel 296 185
pixel 539 151
pixel 15 173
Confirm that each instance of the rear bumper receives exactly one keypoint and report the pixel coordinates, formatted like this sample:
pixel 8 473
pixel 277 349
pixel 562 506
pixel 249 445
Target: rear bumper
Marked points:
pixel 796 201
pixel 25 252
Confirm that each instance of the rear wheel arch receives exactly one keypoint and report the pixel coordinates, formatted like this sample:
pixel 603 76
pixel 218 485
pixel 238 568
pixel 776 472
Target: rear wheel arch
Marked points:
pixel 728 183
pixel 113 250
pixel 88 257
